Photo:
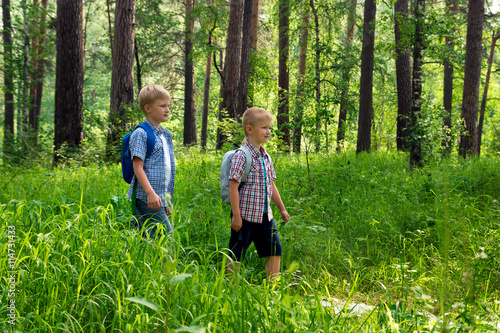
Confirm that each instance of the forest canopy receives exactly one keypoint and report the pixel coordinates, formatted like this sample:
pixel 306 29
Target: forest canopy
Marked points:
pixel 304 64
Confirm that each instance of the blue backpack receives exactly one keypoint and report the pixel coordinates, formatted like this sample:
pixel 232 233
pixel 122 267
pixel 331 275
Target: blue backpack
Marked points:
pixel 127 166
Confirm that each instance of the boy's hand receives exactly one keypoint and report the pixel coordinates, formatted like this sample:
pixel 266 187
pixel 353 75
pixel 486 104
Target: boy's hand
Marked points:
pixel 154 201
pixel 236 223
pixel 285 216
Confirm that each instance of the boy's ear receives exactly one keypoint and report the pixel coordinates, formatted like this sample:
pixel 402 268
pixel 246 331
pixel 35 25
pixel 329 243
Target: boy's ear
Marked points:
pixel 248 128
pixel 146 107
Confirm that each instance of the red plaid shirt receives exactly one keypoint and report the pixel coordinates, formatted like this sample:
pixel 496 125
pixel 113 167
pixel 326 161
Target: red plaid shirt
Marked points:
pixel 252 194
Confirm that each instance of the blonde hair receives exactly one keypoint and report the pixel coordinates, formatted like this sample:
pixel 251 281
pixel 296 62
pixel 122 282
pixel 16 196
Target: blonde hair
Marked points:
pixel 150 94
pixel 254 115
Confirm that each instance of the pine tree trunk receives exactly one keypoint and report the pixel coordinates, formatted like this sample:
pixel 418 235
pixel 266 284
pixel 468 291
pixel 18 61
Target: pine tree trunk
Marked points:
pixel 38 69
pixel 403 76
pixel 231 74
pixel 25 97
pixel 494 40
pixel 452 9
pixel 189 106
pixel 206 91
pixel 122 77
pixel 472 78
pixel 254 24
pixel 8 80
pixel 346 76
pixel 366 80
pixel 299 99
pixel 283 76
pixel 245 59
pixel 416 102
pixel 317 73
pixel 68 115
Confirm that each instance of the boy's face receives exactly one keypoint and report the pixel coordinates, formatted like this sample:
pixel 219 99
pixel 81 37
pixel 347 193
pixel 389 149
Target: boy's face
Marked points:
pixel 260 132
pixel 158 111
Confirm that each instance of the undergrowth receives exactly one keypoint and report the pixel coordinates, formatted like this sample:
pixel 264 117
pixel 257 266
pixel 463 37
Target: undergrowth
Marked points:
pixel 371 246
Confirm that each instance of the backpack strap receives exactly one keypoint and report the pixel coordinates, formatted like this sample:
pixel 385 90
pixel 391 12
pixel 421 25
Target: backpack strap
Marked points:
pixel 150 145
pixel 248 165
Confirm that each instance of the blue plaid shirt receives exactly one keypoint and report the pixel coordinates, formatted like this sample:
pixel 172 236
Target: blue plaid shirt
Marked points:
pixel 154 165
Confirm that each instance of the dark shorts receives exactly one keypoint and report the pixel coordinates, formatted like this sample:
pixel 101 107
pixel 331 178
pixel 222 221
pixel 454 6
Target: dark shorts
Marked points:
pixel 264 236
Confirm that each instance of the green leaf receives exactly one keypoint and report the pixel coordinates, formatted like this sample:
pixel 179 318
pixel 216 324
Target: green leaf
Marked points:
pixel 179 278
pixel 143 301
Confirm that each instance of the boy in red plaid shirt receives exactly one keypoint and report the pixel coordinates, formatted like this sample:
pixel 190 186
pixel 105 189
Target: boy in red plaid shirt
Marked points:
pixel 251 214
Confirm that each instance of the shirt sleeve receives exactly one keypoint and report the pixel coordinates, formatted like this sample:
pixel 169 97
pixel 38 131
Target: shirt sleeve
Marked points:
pixel 237 166
pixel 138 144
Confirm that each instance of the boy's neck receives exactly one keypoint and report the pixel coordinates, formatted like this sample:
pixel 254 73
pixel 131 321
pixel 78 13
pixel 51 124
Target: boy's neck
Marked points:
pixel 155 124
pixel 254 143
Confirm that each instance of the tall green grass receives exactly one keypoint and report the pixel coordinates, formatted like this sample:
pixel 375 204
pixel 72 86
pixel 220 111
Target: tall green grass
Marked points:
pixel 370 247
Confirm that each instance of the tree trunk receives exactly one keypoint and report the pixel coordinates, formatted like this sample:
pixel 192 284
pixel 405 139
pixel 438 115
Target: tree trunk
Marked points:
pixel 317 73
pixel 416 102
pixel 366 80
pixel 485 93
pixel 206 91
pixel 472 77
pixel 189 107
pixel 138 65
pixel 38 69
pixel 231 74
pixel 68 115
pixel 299 99
pixel 25 97
pixel 122 77
pixel 245 59
pixel 110 26
pixel 283 76
pixel 8 80
pixel 403 76
pixel 346 76
pixel 452 9
pixel 254 24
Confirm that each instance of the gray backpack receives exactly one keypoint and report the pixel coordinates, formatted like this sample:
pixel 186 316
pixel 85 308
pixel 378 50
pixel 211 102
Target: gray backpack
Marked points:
pixel 224 171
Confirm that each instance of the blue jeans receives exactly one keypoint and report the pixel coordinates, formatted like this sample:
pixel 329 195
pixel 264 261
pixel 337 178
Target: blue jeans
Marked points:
pixel 148 220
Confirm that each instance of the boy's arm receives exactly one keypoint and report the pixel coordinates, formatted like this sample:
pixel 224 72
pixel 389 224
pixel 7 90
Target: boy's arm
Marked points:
pixel 276 198
pixel 234 199
pixel 154 201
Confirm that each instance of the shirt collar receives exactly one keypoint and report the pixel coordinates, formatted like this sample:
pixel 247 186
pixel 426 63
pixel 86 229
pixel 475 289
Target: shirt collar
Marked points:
pixel 158 130
pixel 254 150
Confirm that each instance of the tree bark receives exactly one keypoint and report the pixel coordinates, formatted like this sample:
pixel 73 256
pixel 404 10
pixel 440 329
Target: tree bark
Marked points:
pixel 403 76
pixel 346 76
pixel 8 80
pixel 68 115
pixel 206 91
pixel 452 9
pixel 366 80
pixel 25 97
pixel 189 106
pixel 283 76
pixel 38 69
pixel 416 102
pixel 122 77
pixel 245 59
pixel 231 74
pixel 317 72
pixel 254 35
pixel 494 40
pixel 472 77
pixel 299 98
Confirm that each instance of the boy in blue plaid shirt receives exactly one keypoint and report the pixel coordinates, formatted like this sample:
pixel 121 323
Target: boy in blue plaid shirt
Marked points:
pixel 156 173
pixel 251 214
